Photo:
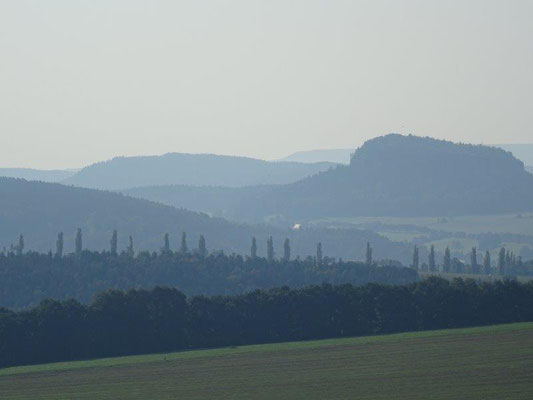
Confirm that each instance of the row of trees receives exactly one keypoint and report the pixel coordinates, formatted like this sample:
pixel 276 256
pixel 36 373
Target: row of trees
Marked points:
pixel 29 277
pixel 508 264
pixel 201 250
pixel 162 320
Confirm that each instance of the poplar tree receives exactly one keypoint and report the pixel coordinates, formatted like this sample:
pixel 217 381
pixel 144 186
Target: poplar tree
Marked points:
pixel 20 246
pixel 114 242
pixel 487 263
pixel 253 249
pixel 431 259
pixel 166 245
pixel 183 247
pixel 501 261
pixel 319 258
pixel 368 257
pixel 473 260
pixel 202 249
pixel 130 250
pixel 447 262
pixel 287 250
pixel 59 245
pixel 270 250
pixel 78 242
pixel 416 259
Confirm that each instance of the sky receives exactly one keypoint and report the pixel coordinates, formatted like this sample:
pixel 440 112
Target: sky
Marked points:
pixel 84 81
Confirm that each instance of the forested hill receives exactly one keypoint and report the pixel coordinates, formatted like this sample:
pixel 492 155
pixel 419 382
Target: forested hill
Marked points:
pixel 40 211
pixel 397 175
pixel 191 169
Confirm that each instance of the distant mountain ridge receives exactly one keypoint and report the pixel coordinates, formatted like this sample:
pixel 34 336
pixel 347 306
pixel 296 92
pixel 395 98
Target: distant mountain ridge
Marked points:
pixel 338 156
pixel 190 169
pixel 392 175
pixel 38 174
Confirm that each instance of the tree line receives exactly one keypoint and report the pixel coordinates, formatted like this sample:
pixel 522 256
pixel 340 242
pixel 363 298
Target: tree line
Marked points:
pixel 28 277
pixel 161 320
pixel 507 264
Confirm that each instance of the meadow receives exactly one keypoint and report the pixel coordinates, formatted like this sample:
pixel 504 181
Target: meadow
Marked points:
pixel 458 233
pixel 494 362
pixel 516 223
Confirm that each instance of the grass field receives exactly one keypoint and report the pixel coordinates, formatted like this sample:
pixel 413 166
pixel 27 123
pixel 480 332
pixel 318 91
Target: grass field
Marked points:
pixel 518 223
pixel 479 363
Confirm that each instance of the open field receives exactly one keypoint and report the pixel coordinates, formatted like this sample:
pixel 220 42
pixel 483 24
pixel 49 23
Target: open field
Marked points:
pixel 517 223
pixel 478 363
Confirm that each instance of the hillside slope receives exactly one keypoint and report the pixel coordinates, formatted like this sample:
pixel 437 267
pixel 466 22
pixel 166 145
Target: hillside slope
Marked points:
pixel 40 210
pixel 190 169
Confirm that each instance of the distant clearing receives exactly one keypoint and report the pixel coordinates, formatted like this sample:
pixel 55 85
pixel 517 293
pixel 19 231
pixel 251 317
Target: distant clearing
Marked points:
pixel 517 223
pixel 478 363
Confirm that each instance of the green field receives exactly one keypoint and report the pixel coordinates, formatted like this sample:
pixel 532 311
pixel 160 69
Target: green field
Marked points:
pixel 408 229
pixel 479 363
pixel 520 223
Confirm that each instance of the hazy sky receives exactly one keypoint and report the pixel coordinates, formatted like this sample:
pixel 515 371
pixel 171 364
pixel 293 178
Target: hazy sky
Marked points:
pixel 82 81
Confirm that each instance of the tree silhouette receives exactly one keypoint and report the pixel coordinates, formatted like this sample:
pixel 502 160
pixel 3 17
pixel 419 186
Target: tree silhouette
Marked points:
pixel 166 245
pixel 431 259
pixel 20 245
pixel 270 250
pixel 78 242
pixel 130 250
pixel 416 259
pixel 202 249
pixel 183 247
pixel 473 260
pixel 319 258
pixel 447 262
pixel 486 263
pixel 287 250
pixel 368 255
pixel 59 245
pixel 253 249
pixel 114 242
pixel 501 261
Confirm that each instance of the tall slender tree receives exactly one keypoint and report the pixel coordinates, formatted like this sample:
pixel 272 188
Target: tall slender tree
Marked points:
pixel 270 250
pixel 202 249
pixel 59 245
pixel 431 259
pixel 20 245
pixel 319 257
pixel 368 256
pixel 487 269
pixel 416 260
pixel 78 242
pixel 501 261
pixel 447 261
pixel 114 243
pixel 473 261
pixel 287 250
pixel 253 248
pixel 130 250
pixel 166 245
pixel 183 247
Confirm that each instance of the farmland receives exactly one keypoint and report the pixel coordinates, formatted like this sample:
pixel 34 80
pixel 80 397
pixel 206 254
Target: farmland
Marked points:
pixel 477 363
